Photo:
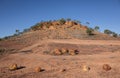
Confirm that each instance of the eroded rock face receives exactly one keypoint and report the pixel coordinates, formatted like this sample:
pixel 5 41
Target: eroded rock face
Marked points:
pixel 51 28
pixel 55 23
pixel 106 67
pixel 71 23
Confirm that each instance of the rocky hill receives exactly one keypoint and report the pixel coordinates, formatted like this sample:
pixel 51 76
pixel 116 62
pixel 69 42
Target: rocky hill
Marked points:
pixel 66 29
pixel 59 29
pixel 60 49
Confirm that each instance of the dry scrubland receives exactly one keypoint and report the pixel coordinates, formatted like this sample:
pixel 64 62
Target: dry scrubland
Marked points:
pixel 60 49
pixel 34 62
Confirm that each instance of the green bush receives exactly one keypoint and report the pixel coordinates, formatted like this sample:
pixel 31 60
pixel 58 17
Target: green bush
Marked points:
pixel 114 34
pixel 62 21
pixel 2 50
pixel 1 39
pixel 37 26
pixel 96 28
pixel 107 31
pixel 89 31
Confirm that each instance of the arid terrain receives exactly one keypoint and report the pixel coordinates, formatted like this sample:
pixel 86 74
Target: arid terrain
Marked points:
pixel 60 49
pixel 92 53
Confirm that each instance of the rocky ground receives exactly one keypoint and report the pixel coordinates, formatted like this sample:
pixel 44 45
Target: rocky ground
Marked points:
pixel 93 54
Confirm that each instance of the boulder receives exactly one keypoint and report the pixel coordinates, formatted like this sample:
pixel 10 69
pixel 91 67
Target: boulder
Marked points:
pixel 106 67
pixel 13 67
pixel 38 69
pixel 86 68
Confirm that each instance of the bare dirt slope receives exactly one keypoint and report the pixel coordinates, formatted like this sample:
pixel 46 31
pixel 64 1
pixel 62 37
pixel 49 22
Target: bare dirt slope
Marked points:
pixel 93 53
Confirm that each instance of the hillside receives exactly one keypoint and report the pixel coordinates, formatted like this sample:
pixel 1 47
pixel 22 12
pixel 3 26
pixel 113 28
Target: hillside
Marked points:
pixel 60 49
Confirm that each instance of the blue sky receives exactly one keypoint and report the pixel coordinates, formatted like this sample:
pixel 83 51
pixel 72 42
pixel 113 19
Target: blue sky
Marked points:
pixel 21 14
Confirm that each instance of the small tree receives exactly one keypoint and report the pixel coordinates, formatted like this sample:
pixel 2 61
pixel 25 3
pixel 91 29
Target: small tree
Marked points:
pixel 62 21
pixel 17 31
pixel 89 31
pixel 97 28
pixel 114 34
pixel 77 21
pixel 68 19
pixel 107 32
pixel 26 30
pixel 87 23
pixel 0 39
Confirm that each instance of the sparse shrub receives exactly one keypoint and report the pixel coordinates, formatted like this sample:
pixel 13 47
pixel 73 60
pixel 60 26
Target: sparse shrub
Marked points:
pixel 37 26
pixel 1 39
pixel 106 67
pixel 62 21
pixel 114 34
pixel 13 67
pixel 2 50
pixel 46 52
pixel 96 28
pixel 107 32
pixel 26 30
pixel 89 31
pixel 17 31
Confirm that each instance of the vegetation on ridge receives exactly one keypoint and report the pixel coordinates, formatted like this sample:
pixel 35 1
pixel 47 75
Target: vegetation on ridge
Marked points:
pixel 55 24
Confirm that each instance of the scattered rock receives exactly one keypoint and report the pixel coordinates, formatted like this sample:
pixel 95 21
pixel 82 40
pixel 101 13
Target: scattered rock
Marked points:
pixel 64 51
pixel 86 68
pixel 13 67
pixel 57 52
pixel 63 70
pixel 73 52
pixel 106 67
pixel 38 69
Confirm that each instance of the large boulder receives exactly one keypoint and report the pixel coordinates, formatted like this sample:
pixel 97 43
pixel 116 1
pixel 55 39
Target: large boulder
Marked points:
pixel 56 52
pixel 106 67
pixel 13 67
pixel 86 68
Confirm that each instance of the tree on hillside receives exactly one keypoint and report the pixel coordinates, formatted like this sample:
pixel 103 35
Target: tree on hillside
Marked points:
pixel 26 30
pixel 114 34
pixel 96 28
pixel 89 31
pixel 106 31
pixel 77 21
pixel 68 19
pixel 87 23
pixel 17 31
pixel 0 39
pixel 109 32
pixel 62 21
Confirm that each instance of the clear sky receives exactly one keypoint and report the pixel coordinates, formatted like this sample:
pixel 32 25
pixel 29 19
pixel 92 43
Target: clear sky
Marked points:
pixel 21 14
